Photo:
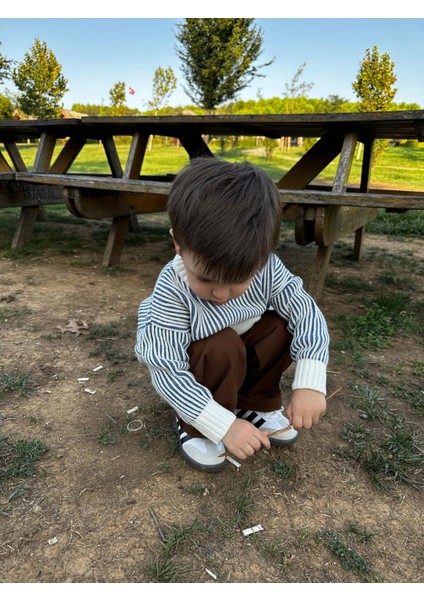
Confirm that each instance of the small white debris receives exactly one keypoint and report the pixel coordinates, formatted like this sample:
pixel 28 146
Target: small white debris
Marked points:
pixel 135 425
pixel 251 530
pixel 98 368
pixel 89 391
pixel 210 573
pixel 52 541
pixel 131 410
pixel 233 462
pixel 83 379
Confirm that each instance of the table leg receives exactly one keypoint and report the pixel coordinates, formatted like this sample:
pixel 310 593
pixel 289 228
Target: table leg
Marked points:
pixel 115 241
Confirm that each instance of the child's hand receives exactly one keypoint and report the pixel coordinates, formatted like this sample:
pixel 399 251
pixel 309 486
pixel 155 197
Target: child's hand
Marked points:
pixel 305 408
pixel 243 439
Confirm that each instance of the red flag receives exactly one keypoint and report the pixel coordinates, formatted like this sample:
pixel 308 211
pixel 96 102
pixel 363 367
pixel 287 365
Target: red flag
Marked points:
pixel 131 90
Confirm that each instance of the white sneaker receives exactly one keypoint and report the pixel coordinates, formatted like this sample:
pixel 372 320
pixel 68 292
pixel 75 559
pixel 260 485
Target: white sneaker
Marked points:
pixel 200 453
pixel 271 421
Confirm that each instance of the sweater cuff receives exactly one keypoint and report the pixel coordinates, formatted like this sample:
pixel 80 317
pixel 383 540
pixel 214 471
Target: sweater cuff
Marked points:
pixel 310 374
pixel 214 421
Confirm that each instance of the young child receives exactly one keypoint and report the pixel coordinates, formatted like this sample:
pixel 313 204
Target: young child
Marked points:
pixel 226 318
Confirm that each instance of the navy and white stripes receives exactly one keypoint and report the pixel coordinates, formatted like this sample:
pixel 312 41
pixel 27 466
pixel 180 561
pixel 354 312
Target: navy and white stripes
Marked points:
pixel 172 317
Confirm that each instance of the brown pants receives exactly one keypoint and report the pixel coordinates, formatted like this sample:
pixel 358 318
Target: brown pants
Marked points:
pixel 243 371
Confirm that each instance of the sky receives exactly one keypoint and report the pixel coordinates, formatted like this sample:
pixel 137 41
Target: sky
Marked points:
pixel 97 53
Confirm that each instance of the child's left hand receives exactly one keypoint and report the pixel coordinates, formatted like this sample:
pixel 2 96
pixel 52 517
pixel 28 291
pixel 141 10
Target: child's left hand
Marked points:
pixel 305 408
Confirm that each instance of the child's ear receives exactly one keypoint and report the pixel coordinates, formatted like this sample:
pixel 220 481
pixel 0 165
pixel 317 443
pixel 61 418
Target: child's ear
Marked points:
pixel 177 246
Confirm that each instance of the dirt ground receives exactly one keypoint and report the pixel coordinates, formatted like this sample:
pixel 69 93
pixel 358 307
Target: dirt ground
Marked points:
pixel 87 513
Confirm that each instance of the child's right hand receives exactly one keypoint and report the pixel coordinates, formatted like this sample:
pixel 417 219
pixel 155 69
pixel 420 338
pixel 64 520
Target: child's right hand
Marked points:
pixel 244 439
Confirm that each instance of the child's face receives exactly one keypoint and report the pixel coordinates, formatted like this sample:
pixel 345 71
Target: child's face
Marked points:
pixel 205 287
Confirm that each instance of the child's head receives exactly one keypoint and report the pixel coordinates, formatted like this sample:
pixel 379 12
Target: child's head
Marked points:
pixel 227 215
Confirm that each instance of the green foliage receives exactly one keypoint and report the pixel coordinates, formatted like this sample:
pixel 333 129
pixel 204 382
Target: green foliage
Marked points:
pixel 374 82
pixel 218 57
pixel 296 89
pixel 40 82
pixel 17 381
pixel 117 99
pixel 348 557
pixel 5 67
pixel 164 83
pixel 6 107
pixel 18 458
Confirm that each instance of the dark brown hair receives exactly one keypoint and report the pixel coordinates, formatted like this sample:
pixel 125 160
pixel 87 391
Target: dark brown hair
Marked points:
pixel 227 215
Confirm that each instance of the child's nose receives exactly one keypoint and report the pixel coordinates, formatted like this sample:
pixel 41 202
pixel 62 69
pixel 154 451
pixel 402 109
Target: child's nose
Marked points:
pixel 221 293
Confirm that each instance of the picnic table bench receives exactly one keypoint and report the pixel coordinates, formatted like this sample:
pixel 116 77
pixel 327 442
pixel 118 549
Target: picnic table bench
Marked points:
pixel 322 214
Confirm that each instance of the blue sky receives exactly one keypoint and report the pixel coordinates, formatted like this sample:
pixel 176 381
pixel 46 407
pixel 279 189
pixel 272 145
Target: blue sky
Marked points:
pixel 96 53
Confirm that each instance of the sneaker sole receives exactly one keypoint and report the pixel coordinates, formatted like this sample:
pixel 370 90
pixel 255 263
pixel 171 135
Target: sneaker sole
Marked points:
pixel 193 463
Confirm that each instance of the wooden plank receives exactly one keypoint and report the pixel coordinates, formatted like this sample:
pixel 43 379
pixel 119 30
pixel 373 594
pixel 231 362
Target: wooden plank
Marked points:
pixel 105 206
pixel 319 271
pixel 393 200
pixel 4 165
pixel 364 188
pixel 341 223
pixel 194 145
pixel 136 156
pixel 25 226
pixel 112 156
pixel 68 154
pixel 328 221
pixel 312 163
pixel 115 242
pixel 15 156
pixel 45 151
pixel 12 196
pixel 96 182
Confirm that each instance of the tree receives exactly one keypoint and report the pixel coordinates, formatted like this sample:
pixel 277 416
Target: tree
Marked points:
pixel 6 107
pixel 374 81
pixel 218 57
pixel 296 88
pixel 164 83
pixel 5 67
pixel 40 82
pixel 118 98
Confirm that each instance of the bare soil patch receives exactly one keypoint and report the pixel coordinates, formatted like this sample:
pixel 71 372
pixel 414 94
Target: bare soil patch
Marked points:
pixel 84 516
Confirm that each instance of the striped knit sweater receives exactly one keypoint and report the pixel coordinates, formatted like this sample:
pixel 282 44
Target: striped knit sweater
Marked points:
pixel 173 316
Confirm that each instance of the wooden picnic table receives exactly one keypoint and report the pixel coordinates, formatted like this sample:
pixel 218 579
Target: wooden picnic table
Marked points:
pixel 322 214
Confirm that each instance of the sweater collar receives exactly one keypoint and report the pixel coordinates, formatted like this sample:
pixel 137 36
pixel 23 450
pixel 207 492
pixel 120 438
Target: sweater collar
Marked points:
pixel 179 268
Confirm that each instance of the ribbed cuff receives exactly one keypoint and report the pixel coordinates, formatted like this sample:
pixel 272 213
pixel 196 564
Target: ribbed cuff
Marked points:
pixel 311 375
pixel 214 421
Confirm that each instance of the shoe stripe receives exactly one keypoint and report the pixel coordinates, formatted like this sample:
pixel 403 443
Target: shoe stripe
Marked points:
pixel 251 416
pixel 183 435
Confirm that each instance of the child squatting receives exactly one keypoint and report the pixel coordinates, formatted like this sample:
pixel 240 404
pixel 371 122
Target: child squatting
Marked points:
pixel 226 318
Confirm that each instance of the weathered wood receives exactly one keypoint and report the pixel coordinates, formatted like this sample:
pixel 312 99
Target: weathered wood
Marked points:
pixel 68 154
pixel 312 163
pixel 112 156
pixel 4 165
pixel 394 200
pixel 93 206
pixel 115 241
pixel 45 151
pixel 25 226
pixel 136 156
pixel 18 195
pixel 15 156
pixel 319 271
pixel 195 145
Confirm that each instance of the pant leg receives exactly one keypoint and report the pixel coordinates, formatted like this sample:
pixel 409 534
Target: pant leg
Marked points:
pixel 219 363
pixel 268 356
pixel 243 371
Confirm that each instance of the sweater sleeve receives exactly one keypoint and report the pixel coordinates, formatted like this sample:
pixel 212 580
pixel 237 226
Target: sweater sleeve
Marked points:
pixel 163 337
pixel 309 348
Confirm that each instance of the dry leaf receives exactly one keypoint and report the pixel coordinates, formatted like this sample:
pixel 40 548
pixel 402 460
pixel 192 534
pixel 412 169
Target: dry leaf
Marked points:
pixel 74 326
